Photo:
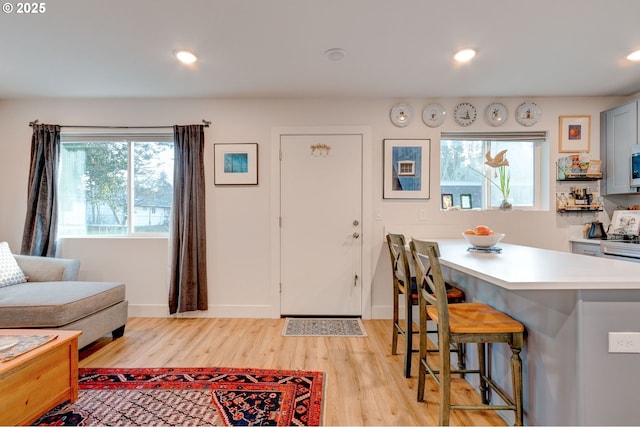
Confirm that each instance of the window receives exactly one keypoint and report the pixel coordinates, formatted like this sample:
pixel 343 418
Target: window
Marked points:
pixel 406 168
pixel 463 169
pixel 115 185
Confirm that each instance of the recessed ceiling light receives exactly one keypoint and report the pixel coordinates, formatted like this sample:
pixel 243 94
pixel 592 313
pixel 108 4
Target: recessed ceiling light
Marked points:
pixel 464 55
pixel 634 56
pixel 186 57
pixel 335 54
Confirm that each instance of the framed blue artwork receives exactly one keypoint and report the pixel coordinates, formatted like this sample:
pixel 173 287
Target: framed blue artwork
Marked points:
pixel 406 168
pixel 235 164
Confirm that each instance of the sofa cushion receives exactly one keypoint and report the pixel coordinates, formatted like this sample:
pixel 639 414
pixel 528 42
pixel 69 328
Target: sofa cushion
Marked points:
pixel 55 304
pixel 47 269
pixel 10 272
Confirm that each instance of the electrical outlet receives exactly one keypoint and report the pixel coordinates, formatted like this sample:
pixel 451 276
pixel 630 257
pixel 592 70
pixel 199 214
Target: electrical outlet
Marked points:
pixel 624 342
pixel 423 214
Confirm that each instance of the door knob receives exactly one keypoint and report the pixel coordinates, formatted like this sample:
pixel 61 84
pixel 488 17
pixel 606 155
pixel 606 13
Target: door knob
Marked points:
pixel 356 235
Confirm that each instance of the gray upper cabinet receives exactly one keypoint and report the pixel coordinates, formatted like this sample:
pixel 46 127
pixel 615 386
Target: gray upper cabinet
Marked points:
pixel 619 131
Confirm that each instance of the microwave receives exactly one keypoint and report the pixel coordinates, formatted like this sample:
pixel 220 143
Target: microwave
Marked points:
pixel 635 165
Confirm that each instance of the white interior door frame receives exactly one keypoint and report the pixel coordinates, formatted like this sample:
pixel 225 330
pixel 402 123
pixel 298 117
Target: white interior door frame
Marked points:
pixel 367 214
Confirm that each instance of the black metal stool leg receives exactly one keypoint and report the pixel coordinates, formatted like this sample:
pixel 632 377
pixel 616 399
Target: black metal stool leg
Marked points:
pixel 408 351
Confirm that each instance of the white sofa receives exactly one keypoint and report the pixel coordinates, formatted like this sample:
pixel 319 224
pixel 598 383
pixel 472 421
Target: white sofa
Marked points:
pixel 52 298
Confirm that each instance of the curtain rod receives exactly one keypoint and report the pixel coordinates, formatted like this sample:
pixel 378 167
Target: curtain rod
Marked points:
pixel 205 122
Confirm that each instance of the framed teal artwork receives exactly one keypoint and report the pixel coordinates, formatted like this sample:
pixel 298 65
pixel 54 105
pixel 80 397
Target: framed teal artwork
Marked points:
pixel 235 164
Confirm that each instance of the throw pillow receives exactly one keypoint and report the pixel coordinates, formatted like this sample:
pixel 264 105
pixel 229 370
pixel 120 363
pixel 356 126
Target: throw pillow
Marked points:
pixel 10 272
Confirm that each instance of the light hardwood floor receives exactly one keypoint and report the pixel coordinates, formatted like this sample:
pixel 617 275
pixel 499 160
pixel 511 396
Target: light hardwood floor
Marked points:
pixel 364 382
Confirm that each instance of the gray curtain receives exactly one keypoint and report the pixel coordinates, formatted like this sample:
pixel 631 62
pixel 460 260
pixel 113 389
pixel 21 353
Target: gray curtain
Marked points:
pixel 40 225
pixel 188 275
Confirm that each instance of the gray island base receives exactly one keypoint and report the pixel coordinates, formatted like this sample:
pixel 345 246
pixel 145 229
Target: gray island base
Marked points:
pixel 568 303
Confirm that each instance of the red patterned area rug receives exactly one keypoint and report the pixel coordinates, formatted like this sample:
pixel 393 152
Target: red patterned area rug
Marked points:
pixel 192 396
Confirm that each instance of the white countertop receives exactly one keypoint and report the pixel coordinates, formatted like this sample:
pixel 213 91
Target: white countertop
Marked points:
pixel 526 268
pixel 583 240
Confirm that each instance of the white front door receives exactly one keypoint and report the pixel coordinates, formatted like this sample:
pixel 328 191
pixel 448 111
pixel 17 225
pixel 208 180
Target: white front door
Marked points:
pixel 321 223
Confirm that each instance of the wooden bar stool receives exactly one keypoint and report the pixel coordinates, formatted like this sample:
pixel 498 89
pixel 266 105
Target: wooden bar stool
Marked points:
pixel 401 276
pixel 463 323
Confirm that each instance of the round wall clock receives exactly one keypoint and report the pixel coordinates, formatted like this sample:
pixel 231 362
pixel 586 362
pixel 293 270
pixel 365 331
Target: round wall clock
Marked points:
pixel 433 115
pixel 464 114
pixel 401 115
pixel 496 114
pixel 528 113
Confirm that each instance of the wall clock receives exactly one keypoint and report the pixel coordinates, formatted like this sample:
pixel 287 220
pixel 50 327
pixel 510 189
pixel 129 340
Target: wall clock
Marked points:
pixel 528 113
pixel 464 114
pixel 496 114
pixel 433 115
pixel 401 115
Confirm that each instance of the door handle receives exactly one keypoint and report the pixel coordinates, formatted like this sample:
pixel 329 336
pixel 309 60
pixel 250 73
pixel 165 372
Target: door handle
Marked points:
pixel 356 235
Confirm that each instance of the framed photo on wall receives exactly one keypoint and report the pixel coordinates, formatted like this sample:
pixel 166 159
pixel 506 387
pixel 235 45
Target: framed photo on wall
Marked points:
pixel 575 134
pixel 406 168
pixel 235 164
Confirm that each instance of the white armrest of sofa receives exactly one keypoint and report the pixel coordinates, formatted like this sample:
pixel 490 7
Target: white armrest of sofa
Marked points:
pixel 44 269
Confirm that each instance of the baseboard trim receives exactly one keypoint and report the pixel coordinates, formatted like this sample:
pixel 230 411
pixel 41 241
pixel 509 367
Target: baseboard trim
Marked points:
pixel 232 311
pixel 382 312
pixel 214 311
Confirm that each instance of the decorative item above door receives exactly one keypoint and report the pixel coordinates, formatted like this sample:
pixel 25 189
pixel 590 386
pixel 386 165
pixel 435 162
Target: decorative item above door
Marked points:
pixel 320 149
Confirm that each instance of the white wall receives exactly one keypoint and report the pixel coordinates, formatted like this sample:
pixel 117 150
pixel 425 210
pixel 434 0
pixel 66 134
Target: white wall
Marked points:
pixel 238 227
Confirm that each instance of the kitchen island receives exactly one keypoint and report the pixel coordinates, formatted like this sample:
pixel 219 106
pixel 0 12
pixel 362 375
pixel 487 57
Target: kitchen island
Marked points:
pixel 568 303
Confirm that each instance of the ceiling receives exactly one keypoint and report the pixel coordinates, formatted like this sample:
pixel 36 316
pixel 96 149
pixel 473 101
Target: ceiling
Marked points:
pixel 275 48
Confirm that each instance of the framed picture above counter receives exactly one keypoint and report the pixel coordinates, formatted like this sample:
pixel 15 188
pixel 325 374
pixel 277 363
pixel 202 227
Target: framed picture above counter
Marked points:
pixel 575 134
pixel 406 168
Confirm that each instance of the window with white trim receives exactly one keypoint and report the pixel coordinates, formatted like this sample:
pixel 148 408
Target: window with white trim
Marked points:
pixel 463 169
pixel 115 184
